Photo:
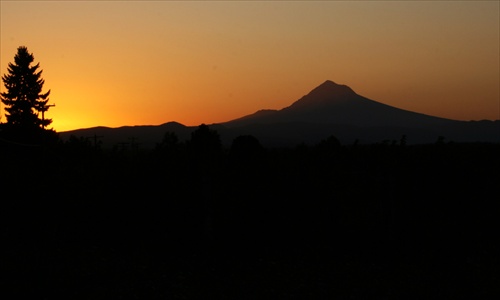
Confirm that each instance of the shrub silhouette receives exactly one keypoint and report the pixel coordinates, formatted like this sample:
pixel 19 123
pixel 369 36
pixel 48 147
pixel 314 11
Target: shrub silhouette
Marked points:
pixel 205 147
pixel 169 143
pixel 246 150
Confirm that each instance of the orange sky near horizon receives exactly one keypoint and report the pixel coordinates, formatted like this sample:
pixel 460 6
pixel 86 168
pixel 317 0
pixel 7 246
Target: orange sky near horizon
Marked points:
pixel 117 63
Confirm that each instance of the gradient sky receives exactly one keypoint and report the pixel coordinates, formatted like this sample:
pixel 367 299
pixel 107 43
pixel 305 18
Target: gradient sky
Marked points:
pixel 116 63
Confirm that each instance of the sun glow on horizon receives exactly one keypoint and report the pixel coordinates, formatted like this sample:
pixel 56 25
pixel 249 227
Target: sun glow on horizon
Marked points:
pixel 152 62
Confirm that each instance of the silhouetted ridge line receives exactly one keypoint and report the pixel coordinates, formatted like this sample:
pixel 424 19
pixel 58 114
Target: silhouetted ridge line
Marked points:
pixel 330 109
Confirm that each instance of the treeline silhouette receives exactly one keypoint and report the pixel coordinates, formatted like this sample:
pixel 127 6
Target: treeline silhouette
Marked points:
pixel 193 219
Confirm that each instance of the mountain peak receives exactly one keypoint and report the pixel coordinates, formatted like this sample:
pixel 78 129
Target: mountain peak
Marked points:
pixel 331 88
pixel 329 82
pixel 327 92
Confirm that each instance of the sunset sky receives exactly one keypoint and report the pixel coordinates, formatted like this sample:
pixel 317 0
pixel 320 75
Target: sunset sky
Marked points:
pixel 116 63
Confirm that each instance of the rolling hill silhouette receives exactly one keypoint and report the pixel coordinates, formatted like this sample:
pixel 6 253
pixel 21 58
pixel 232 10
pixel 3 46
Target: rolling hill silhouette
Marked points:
pixel 329 109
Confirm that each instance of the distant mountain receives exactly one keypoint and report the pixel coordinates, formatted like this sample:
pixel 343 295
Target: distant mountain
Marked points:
pixel 331 103
pixel 334 109
pixel 143 136
pixel 329 109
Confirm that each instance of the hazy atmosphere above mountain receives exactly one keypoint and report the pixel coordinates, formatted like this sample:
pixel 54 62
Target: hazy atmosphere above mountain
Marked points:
pixel 194 62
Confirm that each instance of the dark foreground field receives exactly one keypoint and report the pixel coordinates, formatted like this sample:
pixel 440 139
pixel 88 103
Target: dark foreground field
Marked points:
pixel 383 221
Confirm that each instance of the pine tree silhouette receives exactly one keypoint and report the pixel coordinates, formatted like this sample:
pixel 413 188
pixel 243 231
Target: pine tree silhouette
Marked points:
pixel 24 99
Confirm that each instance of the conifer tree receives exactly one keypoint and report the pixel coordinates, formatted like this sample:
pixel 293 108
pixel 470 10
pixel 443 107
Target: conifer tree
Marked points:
pixel 23 98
